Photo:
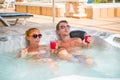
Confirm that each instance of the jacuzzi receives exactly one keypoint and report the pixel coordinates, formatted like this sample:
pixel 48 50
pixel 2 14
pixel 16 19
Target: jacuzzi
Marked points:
pixel 105 53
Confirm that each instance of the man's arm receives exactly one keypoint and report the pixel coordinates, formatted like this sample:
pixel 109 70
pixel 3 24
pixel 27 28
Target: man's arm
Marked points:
pixel 86 44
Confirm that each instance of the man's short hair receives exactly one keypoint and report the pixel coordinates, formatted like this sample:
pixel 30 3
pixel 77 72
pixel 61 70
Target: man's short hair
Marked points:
pixel 57 26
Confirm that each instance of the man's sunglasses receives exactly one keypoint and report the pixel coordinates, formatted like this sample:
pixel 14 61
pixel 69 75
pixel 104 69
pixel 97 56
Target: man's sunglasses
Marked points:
pixel 63 27
pixel 37 35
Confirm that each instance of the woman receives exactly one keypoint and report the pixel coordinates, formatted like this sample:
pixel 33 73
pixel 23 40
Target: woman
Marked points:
pixel 33 49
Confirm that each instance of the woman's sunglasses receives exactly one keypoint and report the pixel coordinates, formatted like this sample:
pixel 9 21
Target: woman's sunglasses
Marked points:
pixel 37 35
pixel 63 27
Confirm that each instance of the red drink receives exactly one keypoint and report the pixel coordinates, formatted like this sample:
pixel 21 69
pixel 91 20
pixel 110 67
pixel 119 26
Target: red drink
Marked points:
pixel 86 38
pixel 52 44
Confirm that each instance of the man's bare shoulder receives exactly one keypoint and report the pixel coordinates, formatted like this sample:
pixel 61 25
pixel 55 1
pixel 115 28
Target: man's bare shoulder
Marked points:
pixel 77 39
pixel 58 41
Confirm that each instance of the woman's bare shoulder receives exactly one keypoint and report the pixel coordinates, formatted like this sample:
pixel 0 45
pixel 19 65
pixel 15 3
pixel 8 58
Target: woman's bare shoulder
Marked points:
pixel 43 45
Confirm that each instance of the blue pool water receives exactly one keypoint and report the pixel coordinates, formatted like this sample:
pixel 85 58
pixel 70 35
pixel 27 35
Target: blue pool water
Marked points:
pixel 106 60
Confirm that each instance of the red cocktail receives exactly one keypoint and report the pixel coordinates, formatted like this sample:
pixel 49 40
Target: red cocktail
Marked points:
pixel 86 38
pixel 53 44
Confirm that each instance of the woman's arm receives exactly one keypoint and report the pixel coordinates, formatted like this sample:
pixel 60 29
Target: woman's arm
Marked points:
pixel 22 53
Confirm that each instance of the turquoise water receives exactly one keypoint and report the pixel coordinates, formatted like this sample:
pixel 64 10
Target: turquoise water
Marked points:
pixel 106 61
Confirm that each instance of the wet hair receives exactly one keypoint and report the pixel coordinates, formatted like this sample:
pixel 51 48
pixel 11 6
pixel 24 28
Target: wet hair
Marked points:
pixel 62 21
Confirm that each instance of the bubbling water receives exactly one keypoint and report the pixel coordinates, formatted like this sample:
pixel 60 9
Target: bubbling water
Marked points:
pixel 105 55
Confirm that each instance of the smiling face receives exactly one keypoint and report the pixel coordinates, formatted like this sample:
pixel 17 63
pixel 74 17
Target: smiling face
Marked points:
pixel 63 29
pixel 33 36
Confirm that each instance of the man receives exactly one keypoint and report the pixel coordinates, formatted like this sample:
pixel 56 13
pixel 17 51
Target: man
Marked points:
pixel 67 45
